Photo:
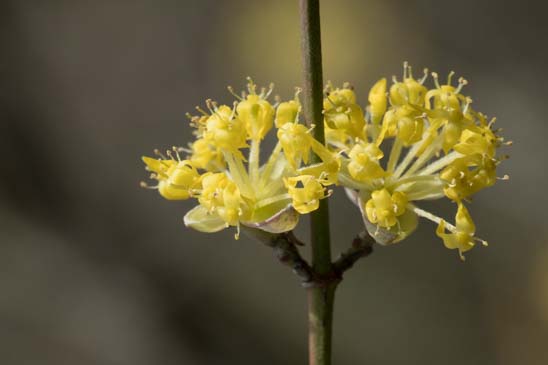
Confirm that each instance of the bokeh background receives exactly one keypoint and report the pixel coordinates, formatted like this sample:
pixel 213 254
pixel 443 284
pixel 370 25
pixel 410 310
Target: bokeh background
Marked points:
pixel 95 270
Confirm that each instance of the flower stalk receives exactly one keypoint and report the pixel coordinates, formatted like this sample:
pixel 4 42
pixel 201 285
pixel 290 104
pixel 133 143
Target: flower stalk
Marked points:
pixel 320 297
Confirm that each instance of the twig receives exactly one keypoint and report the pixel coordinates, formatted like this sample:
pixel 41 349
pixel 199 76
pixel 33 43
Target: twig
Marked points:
pixel 362 246
pixel 286 251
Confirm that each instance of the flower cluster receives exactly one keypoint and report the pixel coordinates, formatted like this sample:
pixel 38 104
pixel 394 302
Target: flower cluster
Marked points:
pixel 438 147
pixel 222 170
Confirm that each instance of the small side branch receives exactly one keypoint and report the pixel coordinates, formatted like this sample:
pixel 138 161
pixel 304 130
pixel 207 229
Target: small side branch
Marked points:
pixel 362 246
pixel 286 251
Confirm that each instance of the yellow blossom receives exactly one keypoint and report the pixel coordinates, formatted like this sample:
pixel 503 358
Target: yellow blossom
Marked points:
pixel 176 179
pixel 224 130
pixel 364 162
pixel 462 234
pixel 296 143
pixel 256 112
pixel 341 111
pixel 377 101
pixel 383 208
pixel 205 156
pixel 306 192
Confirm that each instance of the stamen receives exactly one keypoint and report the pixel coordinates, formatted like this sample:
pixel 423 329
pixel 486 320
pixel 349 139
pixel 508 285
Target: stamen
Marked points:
pixel 251 87
pixel 424 77
pixel 198 108
pixel 410 72
pixel 144 185
pixel 160 154
pixel 231 90
pixel 462 82
pixel 405 66
pixel 468 102
pixel 450 77
pixel 237 235
pixel 436 81
pixel 176 150
pixel 504 178
pixel 210 106
pixel 233 113
pixel 270 89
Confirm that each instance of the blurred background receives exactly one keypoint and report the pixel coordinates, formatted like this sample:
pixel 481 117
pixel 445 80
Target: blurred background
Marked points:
pixel 95 270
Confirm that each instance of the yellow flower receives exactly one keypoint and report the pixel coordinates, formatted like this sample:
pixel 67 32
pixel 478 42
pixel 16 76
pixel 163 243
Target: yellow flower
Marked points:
pixel 205 156
pixel 467 175
pixel 409 91
pixel 224 130
pixel 462 234
pixel 383 208
pixel 306 192
pixel 342 113
pixel 256 112
pixel 296 142
pixel 176 179
pixel 377 101
pixel 364 162
pixel 288 111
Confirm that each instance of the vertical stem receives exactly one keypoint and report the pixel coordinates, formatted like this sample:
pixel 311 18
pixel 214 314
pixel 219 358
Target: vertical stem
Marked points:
pixel 320 297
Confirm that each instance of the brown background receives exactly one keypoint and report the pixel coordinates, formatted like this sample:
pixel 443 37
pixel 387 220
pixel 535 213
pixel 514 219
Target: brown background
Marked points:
pixel 94 270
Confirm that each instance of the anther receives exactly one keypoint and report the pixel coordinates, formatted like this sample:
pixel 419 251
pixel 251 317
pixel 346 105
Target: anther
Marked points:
pixel 436 81
pixel 504 178
pixel 209 104
pixel 462 83
pixel 176 150
pixel 158 153
pixel 198 108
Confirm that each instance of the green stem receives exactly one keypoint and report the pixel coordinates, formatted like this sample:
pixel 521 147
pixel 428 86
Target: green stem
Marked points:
pixel 320 296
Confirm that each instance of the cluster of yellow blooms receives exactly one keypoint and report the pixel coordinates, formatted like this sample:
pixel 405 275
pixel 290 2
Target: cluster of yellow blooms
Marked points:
pixel 439 147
